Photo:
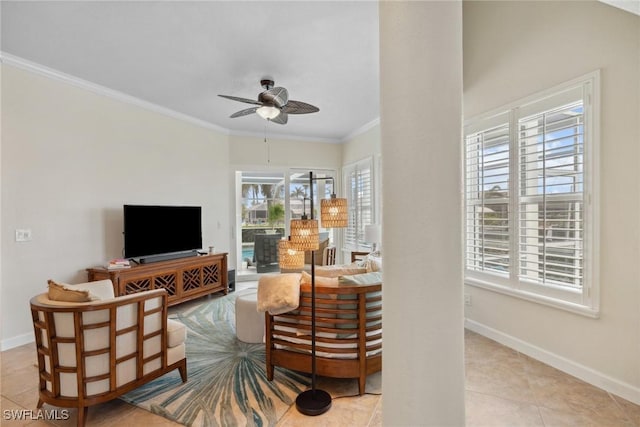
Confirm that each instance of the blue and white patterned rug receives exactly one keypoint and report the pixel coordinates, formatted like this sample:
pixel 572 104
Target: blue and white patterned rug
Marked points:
pixel 227 383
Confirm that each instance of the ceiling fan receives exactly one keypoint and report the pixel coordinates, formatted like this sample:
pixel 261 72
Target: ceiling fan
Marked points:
pixel 273 104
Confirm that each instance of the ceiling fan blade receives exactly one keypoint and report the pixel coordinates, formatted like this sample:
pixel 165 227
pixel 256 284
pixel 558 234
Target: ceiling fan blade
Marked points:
pixel 247 100
pixel 281 118
pixel 277 96
pixel 244 112
pixel 298 107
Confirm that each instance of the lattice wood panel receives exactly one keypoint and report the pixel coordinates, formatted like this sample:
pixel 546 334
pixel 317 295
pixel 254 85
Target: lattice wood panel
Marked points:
pixel 139 285
pixel 166 281
pixel 211 274
pixel 191 279
pixel 183 279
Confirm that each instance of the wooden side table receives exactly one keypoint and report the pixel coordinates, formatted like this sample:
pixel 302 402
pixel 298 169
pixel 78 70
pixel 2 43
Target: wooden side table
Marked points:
pixel 358 255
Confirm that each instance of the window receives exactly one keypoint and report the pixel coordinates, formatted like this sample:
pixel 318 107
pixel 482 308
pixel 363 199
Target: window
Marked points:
pixel 269 199
pixel 357 179
pixel 530 199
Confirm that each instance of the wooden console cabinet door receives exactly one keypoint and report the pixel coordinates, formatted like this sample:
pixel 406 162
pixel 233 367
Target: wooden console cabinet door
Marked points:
pixel 183 279
pixel 203 279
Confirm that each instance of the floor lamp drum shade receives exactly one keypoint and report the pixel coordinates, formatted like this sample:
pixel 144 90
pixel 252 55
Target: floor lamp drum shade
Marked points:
pixel 290 258
pixel 333 212
pixel 305 234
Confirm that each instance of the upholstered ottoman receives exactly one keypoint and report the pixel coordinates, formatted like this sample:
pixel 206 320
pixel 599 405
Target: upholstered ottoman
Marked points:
pixel 249 322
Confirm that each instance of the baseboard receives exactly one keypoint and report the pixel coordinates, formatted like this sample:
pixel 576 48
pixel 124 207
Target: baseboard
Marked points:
pixel 13 342
pixel 589 375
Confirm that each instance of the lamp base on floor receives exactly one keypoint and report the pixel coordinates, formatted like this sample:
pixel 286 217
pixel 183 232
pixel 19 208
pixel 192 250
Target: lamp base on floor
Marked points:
pixel 313 402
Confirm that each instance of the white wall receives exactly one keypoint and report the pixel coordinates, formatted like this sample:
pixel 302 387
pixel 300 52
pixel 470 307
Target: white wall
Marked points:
pixel 254 152
pixel 421 118
pixel 70 159
pixel 362 145
pixel 514 49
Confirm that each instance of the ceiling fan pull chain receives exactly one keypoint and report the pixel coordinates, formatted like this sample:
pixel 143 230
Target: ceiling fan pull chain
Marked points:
pixel 267 144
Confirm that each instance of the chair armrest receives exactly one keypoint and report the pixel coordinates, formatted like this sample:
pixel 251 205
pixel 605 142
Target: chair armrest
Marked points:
pixel 329 255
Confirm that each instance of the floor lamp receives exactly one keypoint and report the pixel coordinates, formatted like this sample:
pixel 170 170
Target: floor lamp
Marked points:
pixel 305 237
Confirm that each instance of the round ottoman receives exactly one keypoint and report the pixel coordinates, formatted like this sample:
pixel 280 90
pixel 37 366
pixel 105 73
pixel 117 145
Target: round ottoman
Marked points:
pixel 249 322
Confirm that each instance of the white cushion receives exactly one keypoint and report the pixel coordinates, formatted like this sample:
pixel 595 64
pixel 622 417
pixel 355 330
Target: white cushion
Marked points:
pixel 176 333
pixel 176 354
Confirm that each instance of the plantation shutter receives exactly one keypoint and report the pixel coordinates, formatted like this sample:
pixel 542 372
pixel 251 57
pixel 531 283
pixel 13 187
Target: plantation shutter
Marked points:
pixel 531 197
pixel 487 198
pixel 551 196
pixel 358 182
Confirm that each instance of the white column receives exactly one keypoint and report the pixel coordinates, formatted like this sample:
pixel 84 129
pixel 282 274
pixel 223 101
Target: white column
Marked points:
pixel 421 119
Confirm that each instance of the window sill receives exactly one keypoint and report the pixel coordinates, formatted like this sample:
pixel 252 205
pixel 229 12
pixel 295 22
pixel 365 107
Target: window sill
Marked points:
pixel 571 307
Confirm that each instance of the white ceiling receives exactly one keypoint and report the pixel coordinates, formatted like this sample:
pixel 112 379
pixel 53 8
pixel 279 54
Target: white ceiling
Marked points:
pixel 181 55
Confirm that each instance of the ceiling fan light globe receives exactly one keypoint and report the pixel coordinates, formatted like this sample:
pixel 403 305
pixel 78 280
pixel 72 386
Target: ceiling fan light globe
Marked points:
pixel 267 112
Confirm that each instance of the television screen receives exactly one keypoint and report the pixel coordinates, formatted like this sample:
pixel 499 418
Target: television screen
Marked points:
pixel 153 230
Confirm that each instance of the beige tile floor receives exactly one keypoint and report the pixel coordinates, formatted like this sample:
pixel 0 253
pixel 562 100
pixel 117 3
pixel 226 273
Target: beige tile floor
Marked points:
pixel 503 388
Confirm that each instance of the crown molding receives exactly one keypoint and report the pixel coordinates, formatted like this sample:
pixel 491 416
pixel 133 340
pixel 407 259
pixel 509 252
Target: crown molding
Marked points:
pixel 24 64
pixel 362 129
pixel 15 61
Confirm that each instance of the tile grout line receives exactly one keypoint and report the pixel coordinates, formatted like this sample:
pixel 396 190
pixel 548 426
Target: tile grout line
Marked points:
pixel 622 408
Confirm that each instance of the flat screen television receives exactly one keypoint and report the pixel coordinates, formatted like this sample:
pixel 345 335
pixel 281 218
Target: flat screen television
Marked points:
pixel 156 230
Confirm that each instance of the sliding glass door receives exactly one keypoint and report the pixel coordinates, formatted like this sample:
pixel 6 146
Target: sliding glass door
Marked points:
pixel 268 200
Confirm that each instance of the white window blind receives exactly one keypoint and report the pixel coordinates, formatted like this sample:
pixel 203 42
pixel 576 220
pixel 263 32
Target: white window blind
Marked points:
pixel 530 215
pixel 357 179
pixel 487 193
pixel 551 198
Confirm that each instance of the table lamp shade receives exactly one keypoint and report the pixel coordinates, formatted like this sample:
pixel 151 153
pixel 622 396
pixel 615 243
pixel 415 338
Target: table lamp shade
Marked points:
pixel 333 212
pixel 372 233
pixel 289 257
pixel 305 234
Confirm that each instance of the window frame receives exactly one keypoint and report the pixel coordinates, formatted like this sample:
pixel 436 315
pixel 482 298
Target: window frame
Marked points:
pixel 586 300
pixel 357 167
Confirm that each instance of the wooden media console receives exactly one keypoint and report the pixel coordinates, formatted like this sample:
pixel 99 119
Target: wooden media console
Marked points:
pixel 183 279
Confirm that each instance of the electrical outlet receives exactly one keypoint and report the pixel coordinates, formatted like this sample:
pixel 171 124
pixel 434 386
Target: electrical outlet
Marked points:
pixel 467 300
pixel 23 235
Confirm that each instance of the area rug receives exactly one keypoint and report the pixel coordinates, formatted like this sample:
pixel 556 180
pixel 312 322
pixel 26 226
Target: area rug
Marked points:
pixel 227 383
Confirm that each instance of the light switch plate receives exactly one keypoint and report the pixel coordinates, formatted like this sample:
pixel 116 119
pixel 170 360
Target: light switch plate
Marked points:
pixel 23 234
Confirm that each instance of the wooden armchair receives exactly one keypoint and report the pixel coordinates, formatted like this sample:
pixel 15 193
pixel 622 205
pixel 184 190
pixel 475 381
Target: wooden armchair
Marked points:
pixel 325 256
pixel 92 352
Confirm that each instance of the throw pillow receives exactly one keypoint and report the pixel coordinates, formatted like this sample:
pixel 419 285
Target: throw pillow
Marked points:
pixel 58 292
pixel 278 293
pixel 339 270
pixel 371 278
pixel 373 263
pixel 320 280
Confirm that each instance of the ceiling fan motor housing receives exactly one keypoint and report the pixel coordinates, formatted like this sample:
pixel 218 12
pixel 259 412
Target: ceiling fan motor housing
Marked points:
pixel 267 83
